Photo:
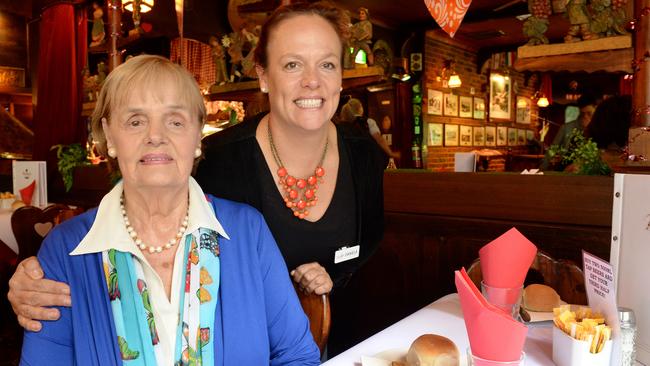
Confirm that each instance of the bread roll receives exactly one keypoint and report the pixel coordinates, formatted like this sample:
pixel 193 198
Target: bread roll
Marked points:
pixel 17 204
pixel 432 350
pixel 540 298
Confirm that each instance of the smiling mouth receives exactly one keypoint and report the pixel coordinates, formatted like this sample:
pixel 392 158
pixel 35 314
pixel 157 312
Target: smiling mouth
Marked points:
pixel 155 159
pixel 309 103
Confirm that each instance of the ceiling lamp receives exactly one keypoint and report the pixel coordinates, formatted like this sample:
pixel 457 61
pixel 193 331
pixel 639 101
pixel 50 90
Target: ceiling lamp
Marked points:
pixel 145 5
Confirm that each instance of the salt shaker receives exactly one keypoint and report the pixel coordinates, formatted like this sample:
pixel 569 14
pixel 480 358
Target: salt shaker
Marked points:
pixel 628 336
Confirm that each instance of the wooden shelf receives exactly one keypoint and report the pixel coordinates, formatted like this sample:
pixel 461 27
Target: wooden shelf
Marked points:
pixel 601 44
pixel 619 60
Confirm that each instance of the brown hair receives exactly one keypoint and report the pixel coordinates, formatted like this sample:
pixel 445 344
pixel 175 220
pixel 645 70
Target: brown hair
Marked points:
pixel 335 16
pixel 143 72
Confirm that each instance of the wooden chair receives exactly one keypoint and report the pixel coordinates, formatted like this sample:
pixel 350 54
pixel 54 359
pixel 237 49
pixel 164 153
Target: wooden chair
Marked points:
pixel 317 309
pixel 30 225
pixel 562 275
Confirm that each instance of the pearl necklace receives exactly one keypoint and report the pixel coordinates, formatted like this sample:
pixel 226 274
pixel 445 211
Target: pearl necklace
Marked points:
pixel 150 248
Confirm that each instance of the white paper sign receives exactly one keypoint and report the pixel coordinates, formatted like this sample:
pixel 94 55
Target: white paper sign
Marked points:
pixel 601 294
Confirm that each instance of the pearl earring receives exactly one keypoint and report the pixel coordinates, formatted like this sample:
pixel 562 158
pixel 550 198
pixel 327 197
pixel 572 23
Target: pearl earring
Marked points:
pixel 112 152
pixel 341 89
pixel 264 89
pixel 197 152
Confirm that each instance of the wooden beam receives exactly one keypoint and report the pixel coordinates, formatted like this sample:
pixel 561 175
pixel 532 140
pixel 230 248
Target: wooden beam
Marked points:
pixel 641 96
pixel 609 61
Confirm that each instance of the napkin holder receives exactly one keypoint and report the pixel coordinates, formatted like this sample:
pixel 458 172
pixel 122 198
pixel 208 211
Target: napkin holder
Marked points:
pixel 568 351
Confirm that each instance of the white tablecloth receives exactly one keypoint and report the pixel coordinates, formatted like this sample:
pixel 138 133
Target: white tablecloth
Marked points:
pixel 443 317
pixel 6 234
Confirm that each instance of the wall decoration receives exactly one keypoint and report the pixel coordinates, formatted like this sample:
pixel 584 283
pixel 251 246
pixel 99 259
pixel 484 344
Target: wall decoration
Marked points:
pixel 479 108
pixel 451 105
pixel 465 135
pixel 490 136
pixel 12 77
pixel 523 110
pixel 434 136
pixel 434 102
pixel 479 136
pixel 512 137
pixel 530 135
pixel 500 97
pixel 466 107
pixel 502 136
pixel 451 135
pixel 521 137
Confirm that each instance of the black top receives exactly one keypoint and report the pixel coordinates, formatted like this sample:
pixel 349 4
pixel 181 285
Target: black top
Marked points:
pixel 231 170
pixel 302 241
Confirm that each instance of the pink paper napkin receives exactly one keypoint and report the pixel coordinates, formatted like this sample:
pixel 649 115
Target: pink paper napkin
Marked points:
pixel 506 259
pixel 493 335
pixel 27 193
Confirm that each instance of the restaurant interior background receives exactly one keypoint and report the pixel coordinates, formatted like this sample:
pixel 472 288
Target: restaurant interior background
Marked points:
pixel 435 220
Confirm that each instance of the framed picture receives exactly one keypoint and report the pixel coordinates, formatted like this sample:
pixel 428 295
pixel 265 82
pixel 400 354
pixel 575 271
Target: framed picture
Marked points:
pixel 521 137
pixel 512 136
pixel 500 96
pixel 434 102
pixel 502 136
pixel 479 136
pixel 530 135
pixel 451 105
pixel 523 110
pixel 434 136
pixel 479 108
pixel 465 135
pixel 466 107
pixel 490 136
pixel 451 135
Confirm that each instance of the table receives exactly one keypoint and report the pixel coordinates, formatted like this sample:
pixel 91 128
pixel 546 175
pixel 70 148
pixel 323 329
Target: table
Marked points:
pixel 6 233
pixel 443 317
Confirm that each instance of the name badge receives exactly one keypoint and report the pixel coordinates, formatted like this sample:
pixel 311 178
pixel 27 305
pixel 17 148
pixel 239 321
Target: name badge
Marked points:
pixel 346 253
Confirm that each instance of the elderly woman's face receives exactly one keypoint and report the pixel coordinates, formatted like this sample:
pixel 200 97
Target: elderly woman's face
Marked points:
pixel 303 72
pixel 155 137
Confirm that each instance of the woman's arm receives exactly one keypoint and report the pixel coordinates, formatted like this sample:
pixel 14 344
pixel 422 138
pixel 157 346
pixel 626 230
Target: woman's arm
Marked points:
pixel 31 295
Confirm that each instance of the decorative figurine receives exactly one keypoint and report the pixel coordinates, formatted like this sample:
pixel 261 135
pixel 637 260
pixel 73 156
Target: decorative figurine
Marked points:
pixel 242 67
pixel 250 38
pixel 609 17
pixel 219 59
pixel 537 24
pixel 580 22
pixel 97 33
pixel 360 39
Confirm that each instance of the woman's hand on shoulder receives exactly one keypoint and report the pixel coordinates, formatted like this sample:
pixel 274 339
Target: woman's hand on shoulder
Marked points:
pixel 29 294
pixel 312 278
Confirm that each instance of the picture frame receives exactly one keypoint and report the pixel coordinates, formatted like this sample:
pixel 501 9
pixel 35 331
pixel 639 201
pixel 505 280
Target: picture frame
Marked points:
pixel 530 135
pixel 502 136
pixel 523 110
pixel 465 135
pixel 451 105
pixel 435 134
pixel 521 137
pixel 478 136
pixel 479 108
pixel 434 102
pixel 451 135
pixel 466 107
pixel 490 136
pixel 512 136
pixel 500 102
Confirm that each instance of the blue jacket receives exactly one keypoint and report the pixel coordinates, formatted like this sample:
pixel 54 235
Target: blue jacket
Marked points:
pixel 258 320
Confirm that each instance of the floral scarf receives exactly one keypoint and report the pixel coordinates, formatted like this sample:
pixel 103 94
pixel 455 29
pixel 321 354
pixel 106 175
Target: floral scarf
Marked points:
pixel 132 312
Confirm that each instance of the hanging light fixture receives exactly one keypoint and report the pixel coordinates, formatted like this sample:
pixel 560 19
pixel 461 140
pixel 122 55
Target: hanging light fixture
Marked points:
pixel 448 75
pixel 145 5
pixel 542 102
pixel 454 81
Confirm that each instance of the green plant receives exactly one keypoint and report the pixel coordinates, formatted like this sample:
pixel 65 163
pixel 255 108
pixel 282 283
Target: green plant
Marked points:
pixel 582 153
pixel 70 157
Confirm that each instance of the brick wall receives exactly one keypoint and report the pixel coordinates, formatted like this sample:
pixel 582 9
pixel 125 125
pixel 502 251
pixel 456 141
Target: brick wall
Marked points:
pixel 438 48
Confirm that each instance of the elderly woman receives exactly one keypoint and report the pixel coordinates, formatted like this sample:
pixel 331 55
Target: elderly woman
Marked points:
pixel 160 273
pixel 318 185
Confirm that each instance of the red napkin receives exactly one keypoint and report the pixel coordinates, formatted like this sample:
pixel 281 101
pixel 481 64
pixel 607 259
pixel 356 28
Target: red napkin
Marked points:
pixel 493 335
pixel 448 13
pixel 27 193
pixel 506 260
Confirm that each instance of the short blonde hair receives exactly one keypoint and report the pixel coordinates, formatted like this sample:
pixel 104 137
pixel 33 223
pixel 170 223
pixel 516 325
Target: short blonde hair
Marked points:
pixel 144 73
pixel 351 110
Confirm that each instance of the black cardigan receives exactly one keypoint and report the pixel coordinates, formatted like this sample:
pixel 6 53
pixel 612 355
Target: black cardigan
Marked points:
pixel 228 171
